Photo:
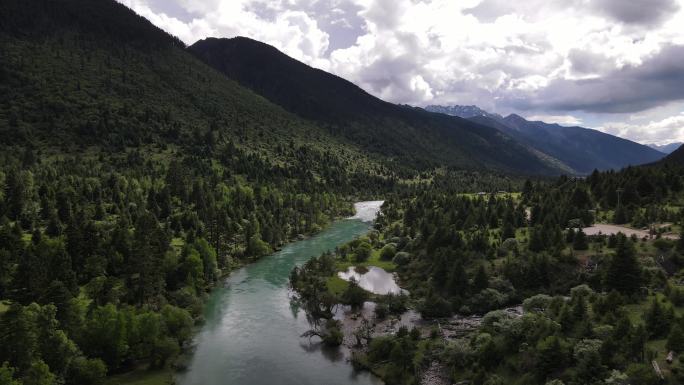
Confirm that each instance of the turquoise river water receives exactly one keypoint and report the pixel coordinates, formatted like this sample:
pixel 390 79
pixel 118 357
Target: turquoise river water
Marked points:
pixel 252 332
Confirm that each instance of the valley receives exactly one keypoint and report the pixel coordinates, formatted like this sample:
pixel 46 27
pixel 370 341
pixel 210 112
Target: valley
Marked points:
pixel 252 323
pixel 221 211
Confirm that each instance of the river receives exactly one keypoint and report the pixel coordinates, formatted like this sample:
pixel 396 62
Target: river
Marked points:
pixel 251 334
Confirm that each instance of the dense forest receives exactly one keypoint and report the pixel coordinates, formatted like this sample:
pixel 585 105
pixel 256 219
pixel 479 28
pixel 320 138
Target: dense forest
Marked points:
pixel 594 309
pixel 90 246
pixel 409 137
pixel 132 178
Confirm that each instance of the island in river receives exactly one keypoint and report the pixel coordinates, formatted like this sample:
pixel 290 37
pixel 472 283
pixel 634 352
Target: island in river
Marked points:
pixel 252 330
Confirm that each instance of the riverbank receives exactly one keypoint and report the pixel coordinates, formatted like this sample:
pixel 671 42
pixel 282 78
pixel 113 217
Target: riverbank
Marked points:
pixel 252 329
pixel 141 375
pixel 364 321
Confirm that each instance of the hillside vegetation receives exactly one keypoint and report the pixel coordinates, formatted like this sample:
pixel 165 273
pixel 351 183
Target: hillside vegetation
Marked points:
pixel 132 177
pixel 514 291
pixel 402 135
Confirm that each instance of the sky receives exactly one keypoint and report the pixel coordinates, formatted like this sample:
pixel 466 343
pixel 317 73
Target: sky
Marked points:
pixel 613 65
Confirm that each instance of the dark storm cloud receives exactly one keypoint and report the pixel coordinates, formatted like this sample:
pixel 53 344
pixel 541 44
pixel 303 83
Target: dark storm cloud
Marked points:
pixel 656 81
pixel 642 12
pixel 586 62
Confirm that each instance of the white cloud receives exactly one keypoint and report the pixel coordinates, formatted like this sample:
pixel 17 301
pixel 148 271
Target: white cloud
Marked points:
pixel 670 129
pixel 501 55
pixel 294 32
pixel 565 120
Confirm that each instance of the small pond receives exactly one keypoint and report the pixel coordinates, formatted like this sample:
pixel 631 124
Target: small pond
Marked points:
pixel 373 279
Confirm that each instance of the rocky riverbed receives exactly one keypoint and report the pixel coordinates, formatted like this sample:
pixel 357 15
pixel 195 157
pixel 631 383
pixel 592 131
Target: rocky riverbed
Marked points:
pixel 359 324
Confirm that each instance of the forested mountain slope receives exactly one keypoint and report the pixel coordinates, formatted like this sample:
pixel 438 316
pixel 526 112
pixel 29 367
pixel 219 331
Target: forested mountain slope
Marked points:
pixel 82 73
pixel 580 149
pixel 408 136
pixel 132 177
pixel 677 156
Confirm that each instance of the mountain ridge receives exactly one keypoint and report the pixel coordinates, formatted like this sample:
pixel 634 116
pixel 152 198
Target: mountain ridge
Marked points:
pixel 581 149
pixel 666 148
pixel 676 156
pixel 403 134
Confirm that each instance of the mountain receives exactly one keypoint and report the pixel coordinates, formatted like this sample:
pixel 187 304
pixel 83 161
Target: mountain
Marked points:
pixel 580 149
pixel 79 75
pixel 406 136
pixel 676 156
pixel 466 112
pixel 124 160
pixel 666 148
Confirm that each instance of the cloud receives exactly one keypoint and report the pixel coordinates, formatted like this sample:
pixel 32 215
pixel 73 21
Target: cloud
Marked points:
pixel 670 129
pixel 586 62
pixel 293 31
pixel 643 12
pixel 564 120
pixel 658 80
pixel 536 57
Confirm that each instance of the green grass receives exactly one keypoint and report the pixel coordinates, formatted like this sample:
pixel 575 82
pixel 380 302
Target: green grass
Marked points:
pixel 514 195
pixel 177 243
pixel 636 311
pixel 658 346
pixel 337 285
pixel 4 305
pixel 82 299
pixel 373 260
pixel 142 377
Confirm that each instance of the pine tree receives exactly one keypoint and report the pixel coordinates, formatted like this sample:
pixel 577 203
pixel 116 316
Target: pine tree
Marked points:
pixel 536 243
pixel 580 241
pixel 624 271
pixel 658 319
pixel 458 280
pixel 508 231
pixel 481 280
pixel 675 340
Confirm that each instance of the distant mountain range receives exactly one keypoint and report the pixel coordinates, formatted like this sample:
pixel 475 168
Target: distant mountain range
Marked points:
pixel 404 136
pixel 466 112
pixel 579 149
pixel 666 148
pixel 143 86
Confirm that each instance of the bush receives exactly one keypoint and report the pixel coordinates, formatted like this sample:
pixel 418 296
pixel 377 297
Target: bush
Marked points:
pixel 381 310
pixel 354 295
pixel 388 252
pixel 396 302
pixel 663 244
pixel 642 374
pixel 401 258
pixel 580 242
pixel 84 371
pixel 333 334
pixel 537 303
pixel 486 300
pixel 435 306
pixel 675 340
pixel 165 349
pixel 362 252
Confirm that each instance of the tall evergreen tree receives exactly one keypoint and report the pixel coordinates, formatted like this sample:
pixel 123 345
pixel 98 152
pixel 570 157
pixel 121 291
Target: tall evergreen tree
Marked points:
pixel 624 271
